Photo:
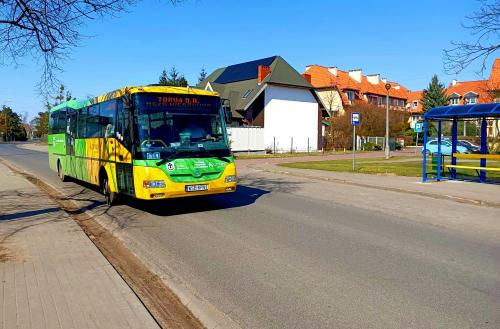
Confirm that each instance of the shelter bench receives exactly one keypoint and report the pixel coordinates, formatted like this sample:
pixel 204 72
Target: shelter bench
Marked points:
pixel 474 157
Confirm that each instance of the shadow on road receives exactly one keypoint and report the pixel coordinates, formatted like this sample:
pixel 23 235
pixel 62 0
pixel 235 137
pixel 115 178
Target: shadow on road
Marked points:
pixel 249 190
pixel 24 214
pixel 243 196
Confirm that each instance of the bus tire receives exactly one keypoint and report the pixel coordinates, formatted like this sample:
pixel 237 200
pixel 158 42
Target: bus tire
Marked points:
pixel 110 196
pixel 60 172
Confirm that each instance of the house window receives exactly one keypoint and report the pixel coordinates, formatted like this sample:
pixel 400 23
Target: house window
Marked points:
pixel 454 101
pixel 415 104
pixel 471 100
pixel 373 100
pixel 351 95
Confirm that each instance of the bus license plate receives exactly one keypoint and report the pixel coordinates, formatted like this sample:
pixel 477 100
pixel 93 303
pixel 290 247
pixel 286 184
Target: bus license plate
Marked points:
pixel 197 188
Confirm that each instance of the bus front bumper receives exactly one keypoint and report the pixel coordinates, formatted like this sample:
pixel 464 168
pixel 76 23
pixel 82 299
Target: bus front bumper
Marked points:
pixel 179 190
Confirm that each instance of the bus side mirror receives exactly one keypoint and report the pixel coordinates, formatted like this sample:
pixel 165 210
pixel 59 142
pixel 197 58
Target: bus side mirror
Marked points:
pixel 228 115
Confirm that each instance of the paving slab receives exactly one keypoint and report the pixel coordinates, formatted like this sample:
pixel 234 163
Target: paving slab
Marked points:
pixel 52 275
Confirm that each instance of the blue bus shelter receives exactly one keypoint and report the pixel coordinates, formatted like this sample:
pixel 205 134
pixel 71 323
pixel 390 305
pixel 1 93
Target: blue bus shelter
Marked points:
pixel 454 114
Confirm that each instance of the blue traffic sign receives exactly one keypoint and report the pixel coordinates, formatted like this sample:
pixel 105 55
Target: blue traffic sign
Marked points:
pixel 355 118
pixel 418 127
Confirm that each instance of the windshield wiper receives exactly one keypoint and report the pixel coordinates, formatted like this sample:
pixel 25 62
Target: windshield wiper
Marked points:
pixel 223 159
pixel 206 153
pixel 170 157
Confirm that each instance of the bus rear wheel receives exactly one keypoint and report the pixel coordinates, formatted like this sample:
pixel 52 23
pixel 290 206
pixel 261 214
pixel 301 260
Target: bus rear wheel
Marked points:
pixel 110 196
pixel 60 172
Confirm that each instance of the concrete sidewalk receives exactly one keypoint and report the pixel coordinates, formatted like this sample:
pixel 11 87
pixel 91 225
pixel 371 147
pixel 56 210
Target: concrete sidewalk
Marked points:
pixel 467 192
pixel 52 275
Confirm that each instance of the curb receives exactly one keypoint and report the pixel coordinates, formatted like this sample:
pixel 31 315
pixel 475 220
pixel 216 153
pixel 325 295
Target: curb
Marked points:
pixel 474 202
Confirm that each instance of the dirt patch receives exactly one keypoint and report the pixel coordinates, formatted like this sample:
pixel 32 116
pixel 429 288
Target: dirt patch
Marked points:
pixel 5 255
pixel 161 302
pixel 10 253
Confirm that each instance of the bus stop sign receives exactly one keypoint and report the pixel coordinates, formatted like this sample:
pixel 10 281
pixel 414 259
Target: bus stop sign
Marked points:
pixel 355 118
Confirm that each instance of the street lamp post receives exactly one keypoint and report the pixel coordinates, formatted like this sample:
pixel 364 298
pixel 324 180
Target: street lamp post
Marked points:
pixel 387 87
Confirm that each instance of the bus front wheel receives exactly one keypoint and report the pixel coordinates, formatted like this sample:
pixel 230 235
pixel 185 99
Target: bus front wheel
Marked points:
pixel 60 172
pixel 110 196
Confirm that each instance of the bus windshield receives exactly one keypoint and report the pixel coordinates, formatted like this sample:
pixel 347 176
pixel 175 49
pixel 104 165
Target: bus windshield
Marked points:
pixel 172 126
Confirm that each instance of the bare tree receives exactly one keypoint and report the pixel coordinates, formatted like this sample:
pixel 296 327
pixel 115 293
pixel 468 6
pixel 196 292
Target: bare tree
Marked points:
pixel 331 97
pixel 484 25
pixel 47 30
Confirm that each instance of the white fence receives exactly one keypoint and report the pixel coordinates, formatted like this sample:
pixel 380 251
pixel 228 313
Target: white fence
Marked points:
pixel 249 139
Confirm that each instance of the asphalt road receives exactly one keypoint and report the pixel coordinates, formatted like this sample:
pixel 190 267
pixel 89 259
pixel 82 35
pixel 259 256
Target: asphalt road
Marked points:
pixel 286 252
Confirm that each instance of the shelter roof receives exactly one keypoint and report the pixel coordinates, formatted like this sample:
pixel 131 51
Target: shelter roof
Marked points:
pixel 464 111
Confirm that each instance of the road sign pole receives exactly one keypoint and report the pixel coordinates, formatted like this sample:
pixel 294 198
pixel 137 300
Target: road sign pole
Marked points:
pixel 355 121
pixel 417 128
pixel 416 144
pixel 353 147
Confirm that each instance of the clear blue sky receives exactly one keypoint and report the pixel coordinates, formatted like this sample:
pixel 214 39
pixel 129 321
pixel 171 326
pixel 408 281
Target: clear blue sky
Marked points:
pixel 402 40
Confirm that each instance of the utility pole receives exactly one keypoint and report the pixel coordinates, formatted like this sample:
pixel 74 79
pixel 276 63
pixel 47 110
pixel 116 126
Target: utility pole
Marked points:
pixel 387 87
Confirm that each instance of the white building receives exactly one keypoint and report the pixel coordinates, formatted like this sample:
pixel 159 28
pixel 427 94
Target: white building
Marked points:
pixel 269 93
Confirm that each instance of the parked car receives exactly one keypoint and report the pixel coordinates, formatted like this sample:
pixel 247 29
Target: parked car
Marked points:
pixel 432 147
pixel 473 148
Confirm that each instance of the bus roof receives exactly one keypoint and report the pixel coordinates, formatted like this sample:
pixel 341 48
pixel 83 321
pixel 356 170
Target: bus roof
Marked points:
pixel 79 103
pixel 74 104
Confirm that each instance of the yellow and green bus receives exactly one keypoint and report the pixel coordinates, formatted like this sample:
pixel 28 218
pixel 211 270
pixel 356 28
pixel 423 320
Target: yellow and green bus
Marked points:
pixel 149 142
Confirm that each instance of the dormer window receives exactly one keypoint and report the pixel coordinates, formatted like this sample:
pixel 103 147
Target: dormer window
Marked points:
pixel 471 100
pixel 350 96
pixel 454 101
pixel 415 104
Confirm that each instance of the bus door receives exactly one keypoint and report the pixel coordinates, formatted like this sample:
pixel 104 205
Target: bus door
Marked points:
pixel 71 125
pixel 124 166
pixel 107 124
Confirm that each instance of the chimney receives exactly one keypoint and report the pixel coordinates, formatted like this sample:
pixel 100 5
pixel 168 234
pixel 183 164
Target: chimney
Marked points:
pixel 453 82
pixel 333 70
pixel 263 72
pixel 374 79
pixel 307 77
pixel 355 74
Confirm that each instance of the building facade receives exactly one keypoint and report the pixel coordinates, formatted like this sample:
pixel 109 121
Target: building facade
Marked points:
pixel 338 88
pixel 269 93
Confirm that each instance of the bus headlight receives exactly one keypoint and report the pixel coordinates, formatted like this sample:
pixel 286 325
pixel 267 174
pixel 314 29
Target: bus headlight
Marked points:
pixel 153 184
pixel 231 179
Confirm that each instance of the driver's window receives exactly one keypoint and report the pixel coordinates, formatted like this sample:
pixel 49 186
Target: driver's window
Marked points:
pixel 123 125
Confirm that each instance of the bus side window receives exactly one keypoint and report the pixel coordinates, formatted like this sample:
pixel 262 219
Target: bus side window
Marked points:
pixel 107 122
pixel 82 122
pixel 93 121
pixel 61 121
pixel 53 122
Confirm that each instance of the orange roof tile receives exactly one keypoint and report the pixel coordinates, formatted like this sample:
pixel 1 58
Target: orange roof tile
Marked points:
pixel 415 96
pixel 321 77
pixel 480 87
pixel 494 81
